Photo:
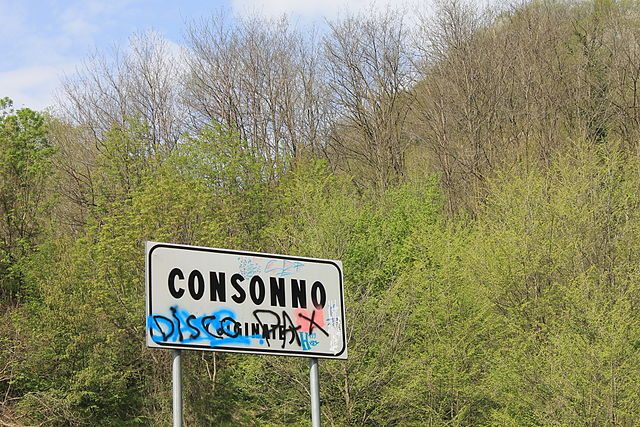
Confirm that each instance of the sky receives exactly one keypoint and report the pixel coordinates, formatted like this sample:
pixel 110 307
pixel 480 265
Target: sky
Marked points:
pixel 44 40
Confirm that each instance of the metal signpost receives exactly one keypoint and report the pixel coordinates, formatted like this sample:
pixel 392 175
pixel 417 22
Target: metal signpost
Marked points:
pixel 314 388
pixel 244 302
pixel 176 367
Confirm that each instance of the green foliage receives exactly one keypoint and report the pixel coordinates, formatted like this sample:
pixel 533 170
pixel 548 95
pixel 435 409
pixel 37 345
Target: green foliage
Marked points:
pixel 524 313
pixel 123 162
pixel 24 166
pixel 89 302
pixel 557 252
pixel 381 241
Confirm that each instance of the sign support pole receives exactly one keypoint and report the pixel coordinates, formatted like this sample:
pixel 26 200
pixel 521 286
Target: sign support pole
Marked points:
pixel 315 392
pixel 177 388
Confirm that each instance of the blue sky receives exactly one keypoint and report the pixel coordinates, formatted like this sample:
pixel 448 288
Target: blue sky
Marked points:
pixel 45 39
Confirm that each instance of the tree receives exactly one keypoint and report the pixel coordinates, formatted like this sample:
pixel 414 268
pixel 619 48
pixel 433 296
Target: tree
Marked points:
pixel 139 84
pixel 25 155
pixel 556 251
pixel 259 78
pixel 368 71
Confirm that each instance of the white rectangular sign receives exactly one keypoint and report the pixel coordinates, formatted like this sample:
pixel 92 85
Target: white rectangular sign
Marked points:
pixel 223 300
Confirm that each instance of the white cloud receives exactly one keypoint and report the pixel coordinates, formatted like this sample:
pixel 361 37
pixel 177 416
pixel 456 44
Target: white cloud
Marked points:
pixel 315 12
pixel 33 86
pixel 38 53
pixel 86 18
pixel 330 9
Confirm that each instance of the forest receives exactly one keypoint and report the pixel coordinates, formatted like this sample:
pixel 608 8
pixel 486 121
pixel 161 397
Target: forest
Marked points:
pixel 476 169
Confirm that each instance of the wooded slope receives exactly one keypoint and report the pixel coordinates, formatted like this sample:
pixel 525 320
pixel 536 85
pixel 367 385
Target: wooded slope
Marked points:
pixel 477 172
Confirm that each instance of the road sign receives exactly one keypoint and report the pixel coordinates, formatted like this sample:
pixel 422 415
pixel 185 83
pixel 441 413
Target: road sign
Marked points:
pixel 222 300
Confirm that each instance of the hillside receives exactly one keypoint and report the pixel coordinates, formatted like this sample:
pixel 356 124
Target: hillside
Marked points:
pixel 477 172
